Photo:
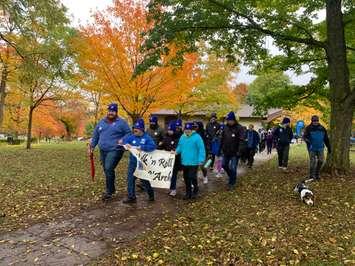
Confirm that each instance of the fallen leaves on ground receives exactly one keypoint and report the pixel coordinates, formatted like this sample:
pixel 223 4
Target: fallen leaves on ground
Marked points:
pixel 262 222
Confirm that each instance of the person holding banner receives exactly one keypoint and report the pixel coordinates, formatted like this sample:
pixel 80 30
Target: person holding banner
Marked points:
pixel 154 130
pixel 169 143
pixel 193 154
pixel 106 135
pixel 141 141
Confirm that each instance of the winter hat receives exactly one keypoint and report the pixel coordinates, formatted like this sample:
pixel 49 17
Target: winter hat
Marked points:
pixel 113 107
pixel 286 120
pixel 172 126
pixel 189 126
pixel 214 115
pixel 231 116
pixel 139 124
pixel 153 119
pixel 315 118
pixel 178 123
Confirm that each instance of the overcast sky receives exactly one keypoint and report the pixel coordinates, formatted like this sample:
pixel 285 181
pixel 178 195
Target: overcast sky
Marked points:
pixel 79 11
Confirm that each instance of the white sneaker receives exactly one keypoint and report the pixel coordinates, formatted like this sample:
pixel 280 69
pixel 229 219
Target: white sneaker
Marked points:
pixel 205 180
pixel 172 193
pixel 219 175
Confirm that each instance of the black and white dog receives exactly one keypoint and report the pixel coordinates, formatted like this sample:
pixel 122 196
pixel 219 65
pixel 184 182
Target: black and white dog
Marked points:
pixel 305 193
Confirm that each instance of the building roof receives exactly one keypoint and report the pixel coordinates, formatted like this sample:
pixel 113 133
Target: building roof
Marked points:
pixel 244 111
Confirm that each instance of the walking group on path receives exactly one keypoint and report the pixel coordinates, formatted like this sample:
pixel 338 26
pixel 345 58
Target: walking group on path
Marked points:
pixel 218 147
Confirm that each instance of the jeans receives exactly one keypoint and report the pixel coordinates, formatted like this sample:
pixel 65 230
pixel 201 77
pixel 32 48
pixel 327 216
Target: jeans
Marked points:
pixel 190 177
pixel 131 180
pixel 316 161
pixel 230 164
pixel 282 153
pixel 176 169
pixel 109 161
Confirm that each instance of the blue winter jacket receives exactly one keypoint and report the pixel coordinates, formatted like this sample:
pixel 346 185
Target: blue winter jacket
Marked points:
pixel 192 150
pixel 253 139
pixel 145 142
pixel 316 137
pixel 107 135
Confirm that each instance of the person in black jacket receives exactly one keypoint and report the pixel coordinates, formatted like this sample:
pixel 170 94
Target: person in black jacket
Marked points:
pixel 315 135
pixel 283 137
pixel 169 143
pixel 212 128
pixel 232 135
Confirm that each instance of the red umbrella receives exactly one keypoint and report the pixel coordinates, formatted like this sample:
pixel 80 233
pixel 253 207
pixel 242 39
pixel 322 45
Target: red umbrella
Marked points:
pixel 92 164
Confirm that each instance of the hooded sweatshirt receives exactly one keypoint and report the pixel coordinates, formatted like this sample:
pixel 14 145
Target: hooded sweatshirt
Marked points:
pixel 192 150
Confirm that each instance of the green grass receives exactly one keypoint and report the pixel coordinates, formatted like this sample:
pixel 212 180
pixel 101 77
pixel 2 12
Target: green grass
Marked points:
pixel 48 181
pixel 262 222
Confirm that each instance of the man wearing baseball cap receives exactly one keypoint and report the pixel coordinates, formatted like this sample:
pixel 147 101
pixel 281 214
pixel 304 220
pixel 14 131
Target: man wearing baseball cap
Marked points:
pixel 106 135
pixel 316 136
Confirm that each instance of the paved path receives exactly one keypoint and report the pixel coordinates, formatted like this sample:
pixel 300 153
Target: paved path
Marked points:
pixel 80 239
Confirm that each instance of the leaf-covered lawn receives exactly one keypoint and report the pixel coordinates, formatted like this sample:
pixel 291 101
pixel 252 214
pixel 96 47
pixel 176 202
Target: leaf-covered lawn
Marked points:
pixel 262 222
pixel 46 182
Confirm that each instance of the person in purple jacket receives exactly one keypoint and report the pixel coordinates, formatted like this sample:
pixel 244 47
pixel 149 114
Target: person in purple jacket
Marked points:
pixel 106 135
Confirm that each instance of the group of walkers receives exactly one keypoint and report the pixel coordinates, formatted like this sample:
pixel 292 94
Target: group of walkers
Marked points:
pixel 218 147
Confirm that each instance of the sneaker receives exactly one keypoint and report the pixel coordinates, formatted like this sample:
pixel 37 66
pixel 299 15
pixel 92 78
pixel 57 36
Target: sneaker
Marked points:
pixel 105 196
pixel 172 193
pixel 194 195
pixel 280 167
pixel 151 199
pixel 129 200
pixel 219 175
pixel 231 187
pixel 186 197
pixel 284 168
pixel 205 180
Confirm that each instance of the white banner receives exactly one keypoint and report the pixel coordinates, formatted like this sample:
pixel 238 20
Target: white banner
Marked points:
pixel 156 167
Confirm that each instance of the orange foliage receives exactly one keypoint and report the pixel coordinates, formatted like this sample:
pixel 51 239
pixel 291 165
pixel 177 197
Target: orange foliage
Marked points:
pixel 109 51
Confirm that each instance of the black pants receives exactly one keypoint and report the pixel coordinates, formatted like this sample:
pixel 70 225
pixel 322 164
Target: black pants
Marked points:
pixel 190 177
pixel 251 154
pixel 282 153
pixel 269 147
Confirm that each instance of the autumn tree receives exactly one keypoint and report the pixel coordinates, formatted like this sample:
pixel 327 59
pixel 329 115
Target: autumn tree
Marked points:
pixel 240 91
pixel 22 23
pixel 212 91
pixel 237 30
pixel 110 51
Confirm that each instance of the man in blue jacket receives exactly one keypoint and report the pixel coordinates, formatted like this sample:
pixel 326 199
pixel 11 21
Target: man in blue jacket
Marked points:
pixel 253 139
pixel 142 141
pixel 316 136
pixel 106 134
pixel 193 154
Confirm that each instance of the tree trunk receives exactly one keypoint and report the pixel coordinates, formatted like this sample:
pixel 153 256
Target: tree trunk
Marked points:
pixel 29 128
pixel 341 97
pixel 4 74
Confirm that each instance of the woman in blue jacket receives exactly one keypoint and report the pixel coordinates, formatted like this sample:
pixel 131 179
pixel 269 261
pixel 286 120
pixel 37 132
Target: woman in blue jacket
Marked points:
pixel 144 142
pixel 193 155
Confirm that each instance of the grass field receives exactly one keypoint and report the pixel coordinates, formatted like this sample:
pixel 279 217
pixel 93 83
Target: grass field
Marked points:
pixel 46 182
pixel 262 222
